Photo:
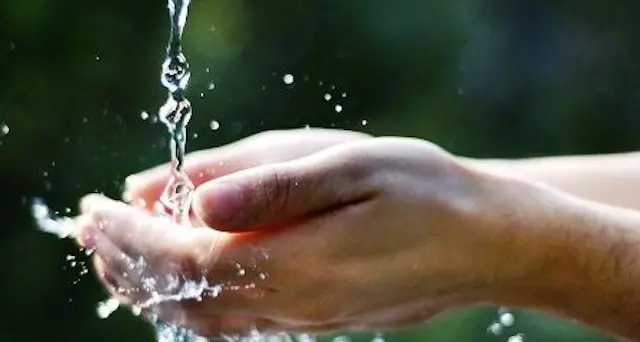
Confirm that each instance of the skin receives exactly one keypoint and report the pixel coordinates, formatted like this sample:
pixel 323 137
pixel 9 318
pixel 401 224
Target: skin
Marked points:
pixel 325 230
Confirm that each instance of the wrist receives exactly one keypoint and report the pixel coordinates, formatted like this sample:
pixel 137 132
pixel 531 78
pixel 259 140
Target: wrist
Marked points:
pixel 573 258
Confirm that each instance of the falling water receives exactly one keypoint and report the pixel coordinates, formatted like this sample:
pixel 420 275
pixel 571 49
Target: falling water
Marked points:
pixel 175 114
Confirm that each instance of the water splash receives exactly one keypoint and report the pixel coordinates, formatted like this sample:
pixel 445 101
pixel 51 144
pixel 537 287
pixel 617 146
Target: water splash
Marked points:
pixel 49 222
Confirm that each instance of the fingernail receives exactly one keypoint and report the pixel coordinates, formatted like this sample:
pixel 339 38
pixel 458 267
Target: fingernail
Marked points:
pixel 218 201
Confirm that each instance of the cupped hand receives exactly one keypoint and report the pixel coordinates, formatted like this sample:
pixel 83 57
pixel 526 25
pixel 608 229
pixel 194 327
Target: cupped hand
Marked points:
pixel 311 233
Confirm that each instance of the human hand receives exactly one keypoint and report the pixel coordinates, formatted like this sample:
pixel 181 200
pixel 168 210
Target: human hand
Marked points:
pixel 368 234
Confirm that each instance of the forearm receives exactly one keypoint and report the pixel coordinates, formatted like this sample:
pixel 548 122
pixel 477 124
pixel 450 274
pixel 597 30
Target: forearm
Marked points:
pixel 612 179
pixel 582 260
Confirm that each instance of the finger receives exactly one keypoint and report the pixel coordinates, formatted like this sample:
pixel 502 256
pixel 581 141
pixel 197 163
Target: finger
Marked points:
pixel 136 233
pixel 145 188
pixel 277 193
pixel 118 286
pixel 111 257
pixel 131 240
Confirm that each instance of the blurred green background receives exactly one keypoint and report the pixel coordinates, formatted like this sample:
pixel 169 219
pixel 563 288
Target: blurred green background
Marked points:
pixel 482 78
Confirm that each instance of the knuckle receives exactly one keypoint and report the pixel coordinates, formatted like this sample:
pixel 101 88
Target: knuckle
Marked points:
pixel 274 190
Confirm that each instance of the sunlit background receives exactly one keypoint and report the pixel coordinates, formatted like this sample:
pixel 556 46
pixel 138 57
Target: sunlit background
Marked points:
pixel 481 78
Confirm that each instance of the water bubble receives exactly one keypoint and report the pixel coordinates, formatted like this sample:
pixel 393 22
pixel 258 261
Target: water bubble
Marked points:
pixel 344 95
pixel 211 86
pixel 364 122
pixel 327 97
pixel 207 70
pixel 12 46
pixel 144 115
pixel 97 58
pixel 214 125
pixel 4 129
pixel 338 109
pixel 287 79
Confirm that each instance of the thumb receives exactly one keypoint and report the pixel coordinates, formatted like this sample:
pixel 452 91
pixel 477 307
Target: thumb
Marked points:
pixel 279 193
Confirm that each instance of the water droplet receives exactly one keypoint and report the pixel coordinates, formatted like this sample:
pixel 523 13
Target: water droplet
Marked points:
pixel 287 79
pixel 516 338
pixel 338 109
pixel 507 319
pixel 214 125
pixel 4 129
pixel 343 338
pixel 378 338
pixel 211 86
pixel 364 122
pixel 136 310
pixel 144 115
pixel 327 97
pixel 106 308
pixel 495 328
